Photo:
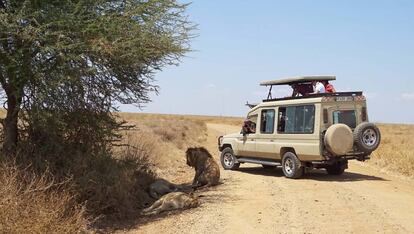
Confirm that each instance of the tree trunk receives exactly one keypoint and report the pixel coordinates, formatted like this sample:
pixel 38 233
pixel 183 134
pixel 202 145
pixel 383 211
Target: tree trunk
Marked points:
pixel 10 124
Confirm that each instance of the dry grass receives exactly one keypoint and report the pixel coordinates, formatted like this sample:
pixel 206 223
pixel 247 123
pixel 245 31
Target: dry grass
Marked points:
pixel 395 154
pixel 117 184
pixel 167 137
pixel 201 118
pixel 182 131
pixel 110 185
pixel 31 203
pixel 396 151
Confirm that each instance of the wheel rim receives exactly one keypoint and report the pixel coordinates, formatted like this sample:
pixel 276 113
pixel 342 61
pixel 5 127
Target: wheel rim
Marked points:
pixel 369 137
pixel 288 166
pixel 228 159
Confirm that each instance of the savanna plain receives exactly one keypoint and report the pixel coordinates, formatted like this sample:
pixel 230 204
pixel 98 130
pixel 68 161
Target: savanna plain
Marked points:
pixel 107 194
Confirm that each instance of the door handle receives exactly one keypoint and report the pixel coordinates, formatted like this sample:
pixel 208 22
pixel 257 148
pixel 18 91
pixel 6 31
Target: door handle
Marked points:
pixel 252 139
pixel 272 140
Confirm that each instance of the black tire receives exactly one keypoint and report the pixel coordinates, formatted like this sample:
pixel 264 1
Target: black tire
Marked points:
pixel 337 168
pixel 228 160
pixel 367 137
pixel 291 166
pixel 268 166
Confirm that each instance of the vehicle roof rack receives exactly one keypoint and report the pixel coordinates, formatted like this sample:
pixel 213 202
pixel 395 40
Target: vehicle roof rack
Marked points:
pixel 297 80
pixel 338 94
pixel 294 80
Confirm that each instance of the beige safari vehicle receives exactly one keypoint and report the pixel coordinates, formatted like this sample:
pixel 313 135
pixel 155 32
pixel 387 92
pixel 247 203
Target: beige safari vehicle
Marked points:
pixel 303 132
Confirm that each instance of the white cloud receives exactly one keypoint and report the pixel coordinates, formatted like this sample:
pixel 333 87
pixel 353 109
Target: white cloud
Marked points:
pixel 211 86
pixel 407 96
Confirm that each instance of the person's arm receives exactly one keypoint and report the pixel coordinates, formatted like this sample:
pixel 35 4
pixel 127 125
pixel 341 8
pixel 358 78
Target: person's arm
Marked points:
pixel 319 88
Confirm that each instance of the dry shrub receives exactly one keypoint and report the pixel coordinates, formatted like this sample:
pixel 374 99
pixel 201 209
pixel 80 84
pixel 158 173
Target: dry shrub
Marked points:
pixel 113 185
pixel 110 184
pixel 396 151
pixel 168 136
pixel 104 187
pixel 31 203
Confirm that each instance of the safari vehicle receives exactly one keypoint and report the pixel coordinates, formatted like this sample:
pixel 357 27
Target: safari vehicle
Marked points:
pixel 322 130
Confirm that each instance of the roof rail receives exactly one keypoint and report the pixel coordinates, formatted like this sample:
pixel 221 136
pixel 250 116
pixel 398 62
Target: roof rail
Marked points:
pixel 338 94
pixel 297 80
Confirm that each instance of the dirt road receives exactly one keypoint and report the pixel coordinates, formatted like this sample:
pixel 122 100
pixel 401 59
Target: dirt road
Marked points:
pixel 257 200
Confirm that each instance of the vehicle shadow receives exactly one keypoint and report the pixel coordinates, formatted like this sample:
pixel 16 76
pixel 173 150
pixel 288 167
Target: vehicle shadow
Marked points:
pixel 315 174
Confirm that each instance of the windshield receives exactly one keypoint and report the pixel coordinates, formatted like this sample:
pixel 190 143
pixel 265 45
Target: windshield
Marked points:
pixel 347 117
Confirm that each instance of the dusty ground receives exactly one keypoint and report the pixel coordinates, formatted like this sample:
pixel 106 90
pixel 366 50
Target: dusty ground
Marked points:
pixel 257 200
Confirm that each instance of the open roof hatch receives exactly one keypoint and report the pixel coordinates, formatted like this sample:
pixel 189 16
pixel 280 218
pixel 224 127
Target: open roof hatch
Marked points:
pixel 294 80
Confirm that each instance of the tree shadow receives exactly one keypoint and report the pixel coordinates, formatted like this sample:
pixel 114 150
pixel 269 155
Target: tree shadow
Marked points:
pixel 315 174
pixel 206 195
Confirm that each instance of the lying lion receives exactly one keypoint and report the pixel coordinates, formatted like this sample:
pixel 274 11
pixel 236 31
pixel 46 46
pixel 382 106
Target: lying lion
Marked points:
pixel 161 187
pixel 207 171
pixel 172 201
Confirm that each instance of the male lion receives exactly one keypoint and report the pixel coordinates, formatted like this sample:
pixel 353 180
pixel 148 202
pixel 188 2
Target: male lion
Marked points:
pixel 207 171
pixel 172 201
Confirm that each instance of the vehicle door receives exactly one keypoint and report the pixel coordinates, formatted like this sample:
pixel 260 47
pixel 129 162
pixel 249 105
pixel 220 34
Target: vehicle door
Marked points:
pixel 297 129
pixel 265 146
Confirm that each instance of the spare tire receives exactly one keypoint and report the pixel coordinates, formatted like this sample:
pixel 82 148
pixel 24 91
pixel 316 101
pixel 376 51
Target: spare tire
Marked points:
pixel 367 137
pixel 339 139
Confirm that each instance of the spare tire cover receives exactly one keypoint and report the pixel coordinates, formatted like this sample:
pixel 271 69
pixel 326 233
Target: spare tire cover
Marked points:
pixel 339 139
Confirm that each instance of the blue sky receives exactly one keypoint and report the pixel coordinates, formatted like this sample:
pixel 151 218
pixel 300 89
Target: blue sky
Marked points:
pixel 368 45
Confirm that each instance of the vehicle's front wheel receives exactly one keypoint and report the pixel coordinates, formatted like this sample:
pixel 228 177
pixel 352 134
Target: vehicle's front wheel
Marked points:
pixel 228 160
pixel 291 166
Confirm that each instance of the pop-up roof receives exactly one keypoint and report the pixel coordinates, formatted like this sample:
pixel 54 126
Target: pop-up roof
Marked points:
pixel 296 80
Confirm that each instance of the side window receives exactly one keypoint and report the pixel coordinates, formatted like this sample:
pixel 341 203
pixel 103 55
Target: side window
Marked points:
pixel 267 121
pixel 296 119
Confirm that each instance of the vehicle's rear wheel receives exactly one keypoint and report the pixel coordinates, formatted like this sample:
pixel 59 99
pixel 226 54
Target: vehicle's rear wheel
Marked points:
pixel 268 166
pixel 291 166
pixel 228 160
pixel 337 168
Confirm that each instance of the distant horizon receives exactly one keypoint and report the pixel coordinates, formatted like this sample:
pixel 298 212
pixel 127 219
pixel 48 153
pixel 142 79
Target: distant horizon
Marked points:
pixel 227 116
pixel 367 45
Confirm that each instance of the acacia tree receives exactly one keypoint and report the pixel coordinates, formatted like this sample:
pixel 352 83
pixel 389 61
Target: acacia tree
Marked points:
pixel 68 63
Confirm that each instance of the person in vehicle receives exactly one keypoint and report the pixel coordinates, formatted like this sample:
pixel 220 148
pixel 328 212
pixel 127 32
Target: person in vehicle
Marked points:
pixel 318 87
pixel 249 126
pixel 301 89
pixel 329 88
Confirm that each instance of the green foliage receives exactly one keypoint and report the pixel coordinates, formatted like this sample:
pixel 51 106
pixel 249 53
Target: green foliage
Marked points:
pixel 65 66
pixel 87 55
